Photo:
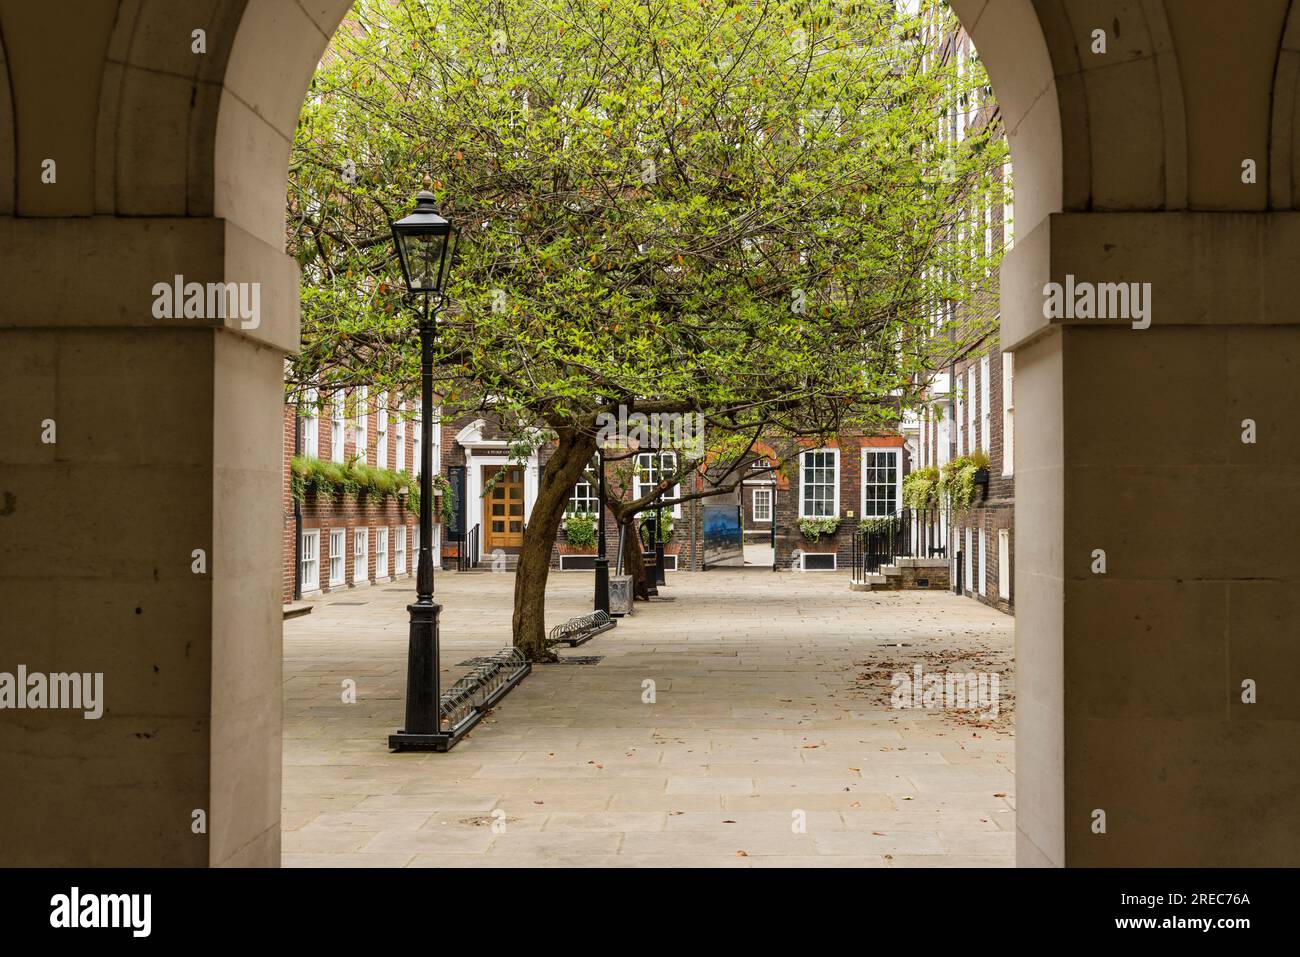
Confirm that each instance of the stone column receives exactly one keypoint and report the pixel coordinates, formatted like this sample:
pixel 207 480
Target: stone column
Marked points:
pixel 1130 448
pixel 143 542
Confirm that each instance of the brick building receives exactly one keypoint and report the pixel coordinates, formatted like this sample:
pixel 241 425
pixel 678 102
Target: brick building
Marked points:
pixel 345 534
pixel 972 403
pixel 841 483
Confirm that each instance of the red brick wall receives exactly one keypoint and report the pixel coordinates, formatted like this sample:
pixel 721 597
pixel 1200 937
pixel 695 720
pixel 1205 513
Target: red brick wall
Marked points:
pixel 348 512
pixel 788 535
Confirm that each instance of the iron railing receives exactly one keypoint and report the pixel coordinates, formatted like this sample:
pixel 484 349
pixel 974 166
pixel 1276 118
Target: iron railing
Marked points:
pixel 467 551
pixel 909 534
pixel 465 702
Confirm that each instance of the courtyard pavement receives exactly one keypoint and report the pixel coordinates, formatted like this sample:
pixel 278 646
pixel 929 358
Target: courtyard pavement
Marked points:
pixel 770 741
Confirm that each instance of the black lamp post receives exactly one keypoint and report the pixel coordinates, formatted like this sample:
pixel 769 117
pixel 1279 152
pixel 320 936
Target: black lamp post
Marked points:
pixel 423 242
pixel 602 563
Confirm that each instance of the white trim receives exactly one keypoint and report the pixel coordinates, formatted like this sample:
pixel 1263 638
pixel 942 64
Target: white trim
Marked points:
pixel 400 429
pixel 338 426
pixel 342 557
pixel 836 483
pixel 670 562
pixel 381 430
pixel 972 387
pixel 435 433
pixel 311 425
pixel 639 488
pixel 986 400
pixel 983 587
pixel 766 490
pixel 361 533
pixel 309 557
pixel 803 562
pixel 399 550
pixel 362 425
pixel 381 575
pixel 474 490
pixel 1004 563
pixel 968 560
pixel 1008 413
pixel 898 481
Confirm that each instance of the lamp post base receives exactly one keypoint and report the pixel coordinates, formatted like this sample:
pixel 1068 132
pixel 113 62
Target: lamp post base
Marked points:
pixel 401 741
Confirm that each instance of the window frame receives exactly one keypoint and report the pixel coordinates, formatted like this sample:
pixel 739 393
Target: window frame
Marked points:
pixel 401 436
pixel 1004 564
pixel 381 534
pixel 361 534
pixel 311 425
pixel 1008 413
pixel 986 402
pixel 399 550
pixel 381 431
pixel 342 556
pixel 304 560
pixel 765 491
pixel 362 425
pixel 593 497
pixel 835 482
pixel 897 455
pixel 641 486
pixel 338 427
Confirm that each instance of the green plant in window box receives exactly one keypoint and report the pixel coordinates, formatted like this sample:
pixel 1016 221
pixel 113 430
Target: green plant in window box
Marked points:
pixel 921 489
pixel 881 526
pixel 580 529
pixel 956 486
pixel 815 528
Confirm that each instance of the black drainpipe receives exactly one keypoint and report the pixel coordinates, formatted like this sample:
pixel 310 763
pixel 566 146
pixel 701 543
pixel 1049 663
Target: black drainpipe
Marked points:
pixel 297 508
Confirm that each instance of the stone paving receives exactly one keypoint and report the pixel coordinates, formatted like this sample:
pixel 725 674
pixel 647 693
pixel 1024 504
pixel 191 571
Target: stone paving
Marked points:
pixel 771 710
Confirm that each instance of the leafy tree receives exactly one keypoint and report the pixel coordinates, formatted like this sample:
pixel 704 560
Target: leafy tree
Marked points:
pixel 678 206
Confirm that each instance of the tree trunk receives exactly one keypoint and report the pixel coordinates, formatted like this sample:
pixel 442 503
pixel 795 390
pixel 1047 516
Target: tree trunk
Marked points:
pixel 566 465
pixel 633 564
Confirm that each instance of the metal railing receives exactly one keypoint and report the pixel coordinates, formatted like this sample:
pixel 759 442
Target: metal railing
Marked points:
pixel 909 534
pixel 465 702
pixel 467 551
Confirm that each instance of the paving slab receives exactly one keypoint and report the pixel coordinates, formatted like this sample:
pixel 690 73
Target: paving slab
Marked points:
pixel 771 738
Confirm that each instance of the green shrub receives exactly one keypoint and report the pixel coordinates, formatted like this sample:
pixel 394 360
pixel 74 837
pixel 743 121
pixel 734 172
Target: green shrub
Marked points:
pixel 580 529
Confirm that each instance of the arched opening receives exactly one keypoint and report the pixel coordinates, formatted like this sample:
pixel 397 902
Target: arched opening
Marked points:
pixel 1151 145
pixel 1018 65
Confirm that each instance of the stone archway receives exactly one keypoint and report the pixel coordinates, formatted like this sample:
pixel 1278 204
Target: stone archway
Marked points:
pixel 173 162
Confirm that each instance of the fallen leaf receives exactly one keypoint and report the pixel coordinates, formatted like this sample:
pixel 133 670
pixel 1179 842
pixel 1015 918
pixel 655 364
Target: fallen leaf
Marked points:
pixel 742 854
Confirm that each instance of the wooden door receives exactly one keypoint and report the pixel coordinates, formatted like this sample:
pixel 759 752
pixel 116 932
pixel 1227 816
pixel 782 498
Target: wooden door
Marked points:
pixel 503 509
